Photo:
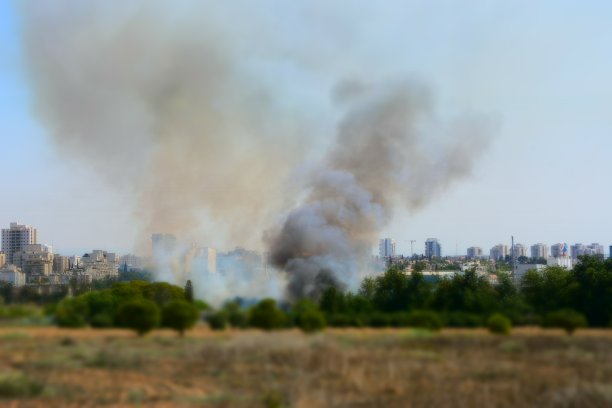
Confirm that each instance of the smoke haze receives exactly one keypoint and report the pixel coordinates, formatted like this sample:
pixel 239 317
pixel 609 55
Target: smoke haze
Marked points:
pixel 178 110
pixel 390 150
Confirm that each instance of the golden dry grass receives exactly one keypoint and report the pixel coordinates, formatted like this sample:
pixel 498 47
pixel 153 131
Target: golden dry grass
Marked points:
pixel 337 368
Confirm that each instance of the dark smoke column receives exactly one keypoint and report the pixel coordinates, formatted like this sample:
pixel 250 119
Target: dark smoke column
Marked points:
pixel 389 150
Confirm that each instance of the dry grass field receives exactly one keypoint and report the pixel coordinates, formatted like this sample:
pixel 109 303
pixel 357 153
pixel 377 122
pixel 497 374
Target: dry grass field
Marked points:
pixel 50 367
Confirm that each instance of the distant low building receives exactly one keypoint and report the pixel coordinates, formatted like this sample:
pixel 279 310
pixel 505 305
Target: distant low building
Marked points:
pixel 13 275
pixel 2 259
pixel 34 259
pixel 522 269
pixel 100 264
pixel 563 261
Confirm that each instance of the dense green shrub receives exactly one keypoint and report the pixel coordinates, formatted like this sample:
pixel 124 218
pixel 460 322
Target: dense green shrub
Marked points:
pixel 18 385
pixel 338 320
pixel 400 319
pixel 265 315
pixel 71 312
pixel 379 320
pixel 567 319
pixel 237 317
pixel 140 315
pixel 102 319
pixel 307 316
pixel 499 324
pixel 179 315
pixel 463 319
pixel 425 319
pixel 217 320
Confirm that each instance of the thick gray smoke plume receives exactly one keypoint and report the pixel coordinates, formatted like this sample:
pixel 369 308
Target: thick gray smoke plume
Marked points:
pixel 390 149
pixel 189 112
pixel 162 100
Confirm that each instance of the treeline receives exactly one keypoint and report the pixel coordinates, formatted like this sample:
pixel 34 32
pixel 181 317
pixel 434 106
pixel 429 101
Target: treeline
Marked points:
pixel 138 305
pixel 583 295
pixel 554 297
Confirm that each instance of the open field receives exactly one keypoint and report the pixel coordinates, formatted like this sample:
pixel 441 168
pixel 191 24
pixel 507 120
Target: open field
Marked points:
pixel 50 367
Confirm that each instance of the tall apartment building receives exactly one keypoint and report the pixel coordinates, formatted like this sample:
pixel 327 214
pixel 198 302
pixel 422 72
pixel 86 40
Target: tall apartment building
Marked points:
pixel 60 263
pixel 433 249
pixel 474 252
pixel 519 250
pixel 558 250
pixel 15 238
pixel 498 252
pixel 386 248
pixel 539 251
pixel 204 260
pixel 578 249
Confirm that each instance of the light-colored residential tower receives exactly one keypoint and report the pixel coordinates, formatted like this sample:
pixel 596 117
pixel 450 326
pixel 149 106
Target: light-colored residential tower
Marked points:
pixel 539 251
pixel 498 252
pixel 15 238
pixel 386 248
pixel 474 252
pixel 433 249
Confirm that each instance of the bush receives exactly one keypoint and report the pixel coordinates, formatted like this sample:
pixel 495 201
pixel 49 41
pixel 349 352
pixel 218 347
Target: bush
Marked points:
pixel 140 315
pixel 265 315
pixel 379 320
pixel 236 316
pixel 179 315
pixel 567 319
pixel 425 319
pixel 400 319
pixel 18 385
pixel 102 319
pixel 217 320
pixel 307 316
pixel 71 312
pixel 499 324
pixel 463 319
pixel 339 320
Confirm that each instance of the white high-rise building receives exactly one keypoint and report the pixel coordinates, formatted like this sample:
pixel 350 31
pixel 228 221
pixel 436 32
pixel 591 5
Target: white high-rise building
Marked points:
pixel 498 252
pixel 519 250
pixel 15 238
pixel 205 260
pixel 386 248
pixel 433 249
pixel 539 251
pixel 558 250
pixel 474 252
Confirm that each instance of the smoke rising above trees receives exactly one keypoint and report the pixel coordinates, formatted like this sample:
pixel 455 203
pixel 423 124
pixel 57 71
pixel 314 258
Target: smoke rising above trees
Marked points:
pixel 187 116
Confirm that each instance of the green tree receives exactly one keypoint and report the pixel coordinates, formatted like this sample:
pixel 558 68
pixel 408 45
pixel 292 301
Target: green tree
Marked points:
pixel 592 290
pixel 425 319
pixel 499 324
pixel 567 319
pixel 189 291
pixel 265 315
pixel 179 315
pixel 548 290
pixel 71 312
pixel 307 316
pixel 140 315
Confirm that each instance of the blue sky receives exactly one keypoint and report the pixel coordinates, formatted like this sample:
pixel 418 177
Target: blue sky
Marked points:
pixel 540 71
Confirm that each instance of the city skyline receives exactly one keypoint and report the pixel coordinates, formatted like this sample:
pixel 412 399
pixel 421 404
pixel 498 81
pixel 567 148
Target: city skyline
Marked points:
pixel 542 178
